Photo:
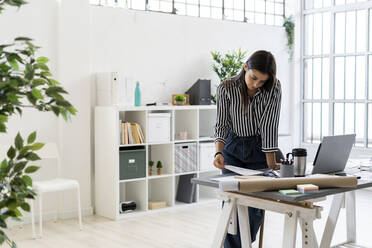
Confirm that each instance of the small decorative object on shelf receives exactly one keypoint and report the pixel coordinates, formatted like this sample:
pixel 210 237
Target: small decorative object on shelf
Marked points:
pixel 151 164
pixel 182 135
pixel 159 166
pixel 137 95
pixel 181 99
pixel 157 204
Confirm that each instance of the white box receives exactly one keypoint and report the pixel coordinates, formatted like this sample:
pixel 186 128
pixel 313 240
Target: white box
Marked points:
pixel 206 156
pixel 114 90
pixel 158 127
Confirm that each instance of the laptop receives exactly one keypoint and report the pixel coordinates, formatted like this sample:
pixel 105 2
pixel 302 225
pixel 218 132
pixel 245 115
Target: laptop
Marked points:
pixel 333 153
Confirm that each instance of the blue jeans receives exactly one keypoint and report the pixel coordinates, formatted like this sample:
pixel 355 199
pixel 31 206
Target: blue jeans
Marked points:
pixel 244 152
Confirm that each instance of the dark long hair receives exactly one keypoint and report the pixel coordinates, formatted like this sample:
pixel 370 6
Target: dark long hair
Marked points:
pixel 264 62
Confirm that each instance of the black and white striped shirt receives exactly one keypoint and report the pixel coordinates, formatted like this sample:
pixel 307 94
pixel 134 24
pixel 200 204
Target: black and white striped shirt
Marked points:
pixel 262 116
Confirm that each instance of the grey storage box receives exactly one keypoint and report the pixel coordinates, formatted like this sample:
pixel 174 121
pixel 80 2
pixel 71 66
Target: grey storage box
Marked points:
pixel 185 157
pixel 132 163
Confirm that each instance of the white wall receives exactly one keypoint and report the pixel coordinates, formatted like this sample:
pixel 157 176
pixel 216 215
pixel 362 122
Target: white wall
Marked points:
pixel 56 27
pixel 153 48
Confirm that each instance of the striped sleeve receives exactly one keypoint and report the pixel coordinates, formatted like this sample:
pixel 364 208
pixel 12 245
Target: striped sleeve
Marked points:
pixel 223 121
pixel 270 121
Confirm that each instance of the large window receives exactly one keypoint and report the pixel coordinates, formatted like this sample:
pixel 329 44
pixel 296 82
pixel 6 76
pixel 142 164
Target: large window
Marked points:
pixel 268 12
pixel 337 70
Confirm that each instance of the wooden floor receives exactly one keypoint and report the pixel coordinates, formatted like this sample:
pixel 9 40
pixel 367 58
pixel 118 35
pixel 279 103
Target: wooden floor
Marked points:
pixel 190 227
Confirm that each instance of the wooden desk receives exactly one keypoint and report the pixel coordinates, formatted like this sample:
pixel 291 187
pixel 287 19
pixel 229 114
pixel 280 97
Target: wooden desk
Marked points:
pixel 293 208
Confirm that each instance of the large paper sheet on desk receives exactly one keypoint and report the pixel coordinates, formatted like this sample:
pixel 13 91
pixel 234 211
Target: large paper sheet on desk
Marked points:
pixel 259 184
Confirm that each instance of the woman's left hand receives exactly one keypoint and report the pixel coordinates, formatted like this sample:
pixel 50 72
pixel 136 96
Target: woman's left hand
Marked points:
pixel 275 166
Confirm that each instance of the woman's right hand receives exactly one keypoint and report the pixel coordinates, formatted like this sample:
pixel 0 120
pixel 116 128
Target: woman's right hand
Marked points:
pixel 218 162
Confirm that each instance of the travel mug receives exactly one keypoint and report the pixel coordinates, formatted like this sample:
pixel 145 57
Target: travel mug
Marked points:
pixel 299 161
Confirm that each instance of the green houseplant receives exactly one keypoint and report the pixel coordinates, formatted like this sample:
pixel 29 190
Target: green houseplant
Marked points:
pixel 151 164
pixel 159 166
pixel 25 82
pixel 289 26
pixel 179 99
pixel 227 65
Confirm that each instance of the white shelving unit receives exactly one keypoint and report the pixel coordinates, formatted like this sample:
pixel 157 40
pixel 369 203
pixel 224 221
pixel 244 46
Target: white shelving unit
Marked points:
pixel 198 121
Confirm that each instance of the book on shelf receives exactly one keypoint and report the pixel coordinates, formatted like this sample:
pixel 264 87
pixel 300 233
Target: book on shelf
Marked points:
pixel 131 133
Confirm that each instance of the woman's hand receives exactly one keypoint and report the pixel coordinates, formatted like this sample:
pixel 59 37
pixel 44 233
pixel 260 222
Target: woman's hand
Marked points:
pixel 274 166
pixel 219 162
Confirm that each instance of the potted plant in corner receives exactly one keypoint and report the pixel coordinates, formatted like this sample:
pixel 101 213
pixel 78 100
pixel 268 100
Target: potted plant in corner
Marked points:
pixel 151 164
pixel 159 165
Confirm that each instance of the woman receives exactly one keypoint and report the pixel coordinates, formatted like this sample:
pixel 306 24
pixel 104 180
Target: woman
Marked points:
pixel 246 133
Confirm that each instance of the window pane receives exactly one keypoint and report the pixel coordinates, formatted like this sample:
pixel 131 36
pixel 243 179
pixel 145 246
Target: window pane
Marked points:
pixel 361 30
pixel 360 77
pixel 135 4
pixel 325 79
pixel 249 5
pixel 239 4
pixel 192 10
pixel 205 11
pixel 260 18
pixel 193 2
pixel 180 8
pixel 278 20
pixel 166 6
pixel 217 13
pixel 338 2
pixel 326 33
pixel 307 122
pixel 369 125
pixel 316 122
pixel 308 89
pixel 308 34
pixel 269 19
pixel 349 118
pixel 350 27
pixel 309 4
pixel 249 17
pixel 279 9
pixel 238 15
pixel 326 3
pixel 370 29
pixel 260 5
pixel 317 4
pixel 325 119
pixel 317 75
pixel 216 3
pixel 229 14
pixel 338 124
pixel 229 4
pixel 317 33
pixel 350 1
pixel 154 5
pixel 340 33
pixel 205 2
pixel 359 124
pixel 339 78
pixel 270 8
pixel 350 77
pixel 370 78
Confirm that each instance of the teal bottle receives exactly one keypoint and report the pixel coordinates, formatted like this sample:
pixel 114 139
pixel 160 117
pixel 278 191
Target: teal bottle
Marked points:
pixel 137 95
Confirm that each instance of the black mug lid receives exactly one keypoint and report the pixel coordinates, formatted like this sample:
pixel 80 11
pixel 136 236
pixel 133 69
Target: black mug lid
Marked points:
pixel 299 152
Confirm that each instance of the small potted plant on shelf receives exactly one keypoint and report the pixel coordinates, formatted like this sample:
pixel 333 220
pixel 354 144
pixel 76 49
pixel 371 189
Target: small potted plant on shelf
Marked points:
pixel 159 165
pixel 151 164
pixel 179 100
